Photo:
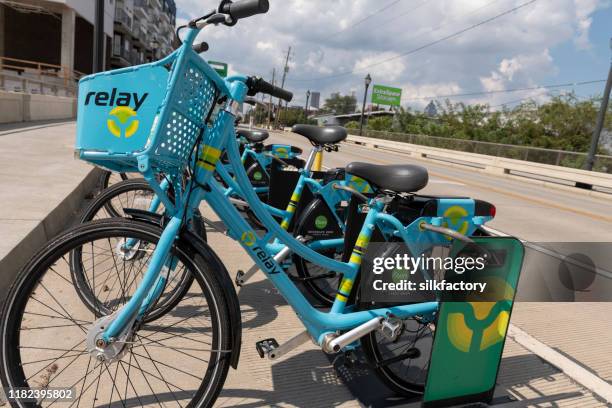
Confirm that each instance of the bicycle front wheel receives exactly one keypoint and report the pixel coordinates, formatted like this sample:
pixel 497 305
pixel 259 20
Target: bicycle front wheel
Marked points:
pixel 45 326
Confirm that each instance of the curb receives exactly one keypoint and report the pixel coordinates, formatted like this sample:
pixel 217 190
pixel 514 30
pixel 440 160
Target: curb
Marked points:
pixel 54 223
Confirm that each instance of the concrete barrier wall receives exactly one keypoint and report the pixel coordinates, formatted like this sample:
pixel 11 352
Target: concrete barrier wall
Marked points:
pixel 11 107
pixel 491 164
pixel 22 107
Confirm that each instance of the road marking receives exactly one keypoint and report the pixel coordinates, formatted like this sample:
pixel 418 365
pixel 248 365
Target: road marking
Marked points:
pixel 455 183
pixel 508 193
pixel 573 370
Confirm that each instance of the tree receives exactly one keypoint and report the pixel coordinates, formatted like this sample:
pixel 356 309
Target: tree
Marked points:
pixel 353 124
pixel 340 104
pixel 291 116
pixel 380 123
pixel 565 123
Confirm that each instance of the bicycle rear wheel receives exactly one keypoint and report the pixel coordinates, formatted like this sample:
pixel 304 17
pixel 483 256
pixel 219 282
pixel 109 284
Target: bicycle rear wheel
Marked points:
pixel 402 364
pixel 45 326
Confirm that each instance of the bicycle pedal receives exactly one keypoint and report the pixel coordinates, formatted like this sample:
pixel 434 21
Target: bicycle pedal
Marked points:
pixel 266 346
pixel 239 280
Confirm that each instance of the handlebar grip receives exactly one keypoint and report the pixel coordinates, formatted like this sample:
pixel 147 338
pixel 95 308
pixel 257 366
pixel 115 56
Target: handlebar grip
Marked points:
pixel 258 84
pixel 201 47
pixel 278 92
pixel 245 8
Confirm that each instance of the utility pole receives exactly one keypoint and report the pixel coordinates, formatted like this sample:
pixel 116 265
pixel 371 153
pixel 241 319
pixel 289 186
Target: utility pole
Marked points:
pixel 270 103
pixel 285 70
pixel 601 118
pixel 306 106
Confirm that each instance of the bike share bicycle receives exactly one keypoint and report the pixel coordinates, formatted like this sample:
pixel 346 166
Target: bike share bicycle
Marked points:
pixel 304 205
pixel 121 354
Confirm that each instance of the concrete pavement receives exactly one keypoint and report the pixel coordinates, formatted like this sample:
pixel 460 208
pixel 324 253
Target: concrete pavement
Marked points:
pixel 41 185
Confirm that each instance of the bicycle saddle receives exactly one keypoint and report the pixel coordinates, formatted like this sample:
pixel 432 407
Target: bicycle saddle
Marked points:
pixel 254 135
pixel 401 178
pixel 321 135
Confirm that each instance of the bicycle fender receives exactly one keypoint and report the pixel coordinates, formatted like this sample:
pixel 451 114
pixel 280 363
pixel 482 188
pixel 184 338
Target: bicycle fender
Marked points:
pixel 145 216
pixel 159 220
pixel 210 257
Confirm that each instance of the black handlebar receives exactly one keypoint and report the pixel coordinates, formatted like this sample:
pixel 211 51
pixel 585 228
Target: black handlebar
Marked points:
pixel 257 85
pixel 201 47
pixel 244 8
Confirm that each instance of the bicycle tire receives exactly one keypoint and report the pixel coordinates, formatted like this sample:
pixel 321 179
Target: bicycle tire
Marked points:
pixel 107 176
pixel 42 269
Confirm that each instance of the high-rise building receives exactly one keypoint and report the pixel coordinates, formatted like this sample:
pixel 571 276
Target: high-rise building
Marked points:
pixel 143 31
pixel 46 45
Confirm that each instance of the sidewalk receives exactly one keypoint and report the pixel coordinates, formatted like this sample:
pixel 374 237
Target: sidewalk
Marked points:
pixel 42 185
pixel 304 377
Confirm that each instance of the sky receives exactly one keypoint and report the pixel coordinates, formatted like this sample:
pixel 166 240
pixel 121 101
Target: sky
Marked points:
pixel 428 48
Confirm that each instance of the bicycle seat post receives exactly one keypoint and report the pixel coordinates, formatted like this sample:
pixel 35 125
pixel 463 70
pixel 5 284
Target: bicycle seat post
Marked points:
pixel 314 152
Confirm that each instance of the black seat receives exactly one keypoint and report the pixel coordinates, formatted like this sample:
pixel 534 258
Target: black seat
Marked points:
pixel 321 135
pixel 401 178
pixel 253 135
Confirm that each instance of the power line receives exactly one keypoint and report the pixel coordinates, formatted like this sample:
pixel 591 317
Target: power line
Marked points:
pixel 367 17
pixel 406 12
pixel 430 44
pixel 500 91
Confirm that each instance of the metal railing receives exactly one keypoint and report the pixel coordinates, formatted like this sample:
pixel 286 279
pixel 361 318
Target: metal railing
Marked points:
pixel 576 160
pixel 47 78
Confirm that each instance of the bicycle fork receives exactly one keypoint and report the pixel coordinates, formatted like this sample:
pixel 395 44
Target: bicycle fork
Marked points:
pixel 150 287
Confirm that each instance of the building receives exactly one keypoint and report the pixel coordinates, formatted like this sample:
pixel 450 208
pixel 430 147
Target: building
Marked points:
pixel 47 45
pixel 431 110
pixel 143 31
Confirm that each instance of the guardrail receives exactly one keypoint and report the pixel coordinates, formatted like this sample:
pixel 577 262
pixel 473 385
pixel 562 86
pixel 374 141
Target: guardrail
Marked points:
pixel 548 174
pixel 18 75
pixel 603 163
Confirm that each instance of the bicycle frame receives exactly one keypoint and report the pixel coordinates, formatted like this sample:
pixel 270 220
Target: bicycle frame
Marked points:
pixel 220 137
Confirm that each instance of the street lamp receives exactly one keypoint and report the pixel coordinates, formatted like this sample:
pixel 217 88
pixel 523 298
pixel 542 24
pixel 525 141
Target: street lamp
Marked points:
pixel 368 81
pixel 306 106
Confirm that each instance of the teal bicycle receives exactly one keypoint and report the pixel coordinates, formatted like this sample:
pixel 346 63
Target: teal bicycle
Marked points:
pixel 121 356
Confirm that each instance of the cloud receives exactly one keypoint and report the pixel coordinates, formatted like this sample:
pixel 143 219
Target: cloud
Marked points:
pixel 584 8
pixel 386 71
pixel 332 54
pixel 264 45
pixel 418 94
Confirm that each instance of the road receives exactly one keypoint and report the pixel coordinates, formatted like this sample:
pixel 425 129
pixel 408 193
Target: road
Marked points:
pixel 526 210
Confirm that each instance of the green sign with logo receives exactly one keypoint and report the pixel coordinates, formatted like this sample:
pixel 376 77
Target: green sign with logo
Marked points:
pixel 471 330
pixel 386 95
pixel 220 67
